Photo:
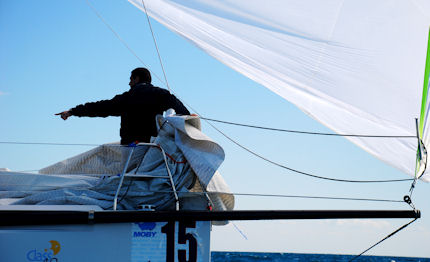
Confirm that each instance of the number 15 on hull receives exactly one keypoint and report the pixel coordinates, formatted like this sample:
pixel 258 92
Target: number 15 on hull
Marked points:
pixel 180 241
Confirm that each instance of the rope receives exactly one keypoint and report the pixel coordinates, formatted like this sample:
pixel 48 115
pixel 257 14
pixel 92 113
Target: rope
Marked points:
pixel 46 144
pixel 243 147
pixel 122 40
pixel 114 32
pixel 312 197
pixel 390 235
pixel 156 47
pixel 304 132
pixel 304 173
pixel 289 196
pixel 238 230
pixel 209 192
pixel 134 53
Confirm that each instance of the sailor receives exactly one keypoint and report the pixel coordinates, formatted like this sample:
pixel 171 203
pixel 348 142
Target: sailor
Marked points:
pixel 137 108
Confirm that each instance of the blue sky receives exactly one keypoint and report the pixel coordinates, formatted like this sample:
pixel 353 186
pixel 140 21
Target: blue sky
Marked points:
pixel 57 54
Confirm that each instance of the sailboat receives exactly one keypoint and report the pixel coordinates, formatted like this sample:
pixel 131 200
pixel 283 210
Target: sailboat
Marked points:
pixel 337 70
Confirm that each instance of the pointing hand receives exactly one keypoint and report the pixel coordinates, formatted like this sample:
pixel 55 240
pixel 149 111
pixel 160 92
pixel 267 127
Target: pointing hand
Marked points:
pixel 64 115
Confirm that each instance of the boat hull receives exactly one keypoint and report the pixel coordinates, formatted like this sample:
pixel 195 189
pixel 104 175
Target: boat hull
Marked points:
pixel 146 241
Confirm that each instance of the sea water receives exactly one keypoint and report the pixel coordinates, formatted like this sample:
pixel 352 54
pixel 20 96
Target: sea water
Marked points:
pixel 295 257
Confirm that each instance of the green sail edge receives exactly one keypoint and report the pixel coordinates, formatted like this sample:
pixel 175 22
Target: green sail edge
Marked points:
pixel 425 89
pixel 423 105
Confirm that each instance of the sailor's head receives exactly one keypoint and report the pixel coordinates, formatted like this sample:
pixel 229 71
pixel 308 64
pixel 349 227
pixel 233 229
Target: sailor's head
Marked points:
pixel 140 75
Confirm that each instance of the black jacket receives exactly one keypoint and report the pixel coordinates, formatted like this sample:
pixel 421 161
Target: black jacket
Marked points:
pixel 137 108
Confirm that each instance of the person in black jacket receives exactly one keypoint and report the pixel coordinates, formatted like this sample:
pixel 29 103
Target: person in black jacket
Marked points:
pixel 137 108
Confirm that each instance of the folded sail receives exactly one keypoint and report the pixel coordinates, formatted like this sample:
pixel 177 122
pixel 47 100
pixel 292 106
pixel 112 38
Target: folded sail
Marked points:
pixel 355 66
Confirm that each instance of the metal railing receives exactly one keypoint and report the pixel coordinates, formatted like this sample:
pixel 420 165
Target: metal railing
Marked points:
pixel 124 173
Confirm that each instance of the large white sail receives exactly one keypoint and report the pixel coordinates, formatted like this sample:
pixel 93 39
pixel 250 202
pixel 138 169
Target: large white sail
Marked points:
pixel 355 66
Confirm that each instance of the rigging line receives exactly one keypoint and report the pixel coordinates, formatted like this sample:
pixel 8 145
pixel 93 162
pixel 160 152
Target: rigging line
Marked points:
pixel 304 173
pixel 293 170
pixel 134 53
pixel 285 196
pixel 390 235
pixel 156 46
pixel 290 169
pixel 241 146
pixel 303 132
pixel 240 231
pixel 204 193
pixel 312 197
pixel 43 143
pixel 120 39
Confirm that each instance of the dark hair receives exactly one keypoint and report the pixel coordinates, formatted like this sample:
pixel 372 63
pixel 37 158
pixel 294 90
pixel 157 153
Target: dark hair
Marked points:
pixel 143 74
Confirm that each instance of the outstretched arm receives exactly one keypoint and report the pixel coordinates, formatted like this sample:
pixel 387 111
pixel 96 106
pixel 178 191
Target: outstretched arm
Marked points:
pixel 103 108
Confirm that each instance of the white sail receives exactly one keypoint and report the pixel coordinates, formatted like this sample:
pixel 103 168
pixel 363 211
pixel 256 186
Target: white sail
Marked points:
pixel 355 66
